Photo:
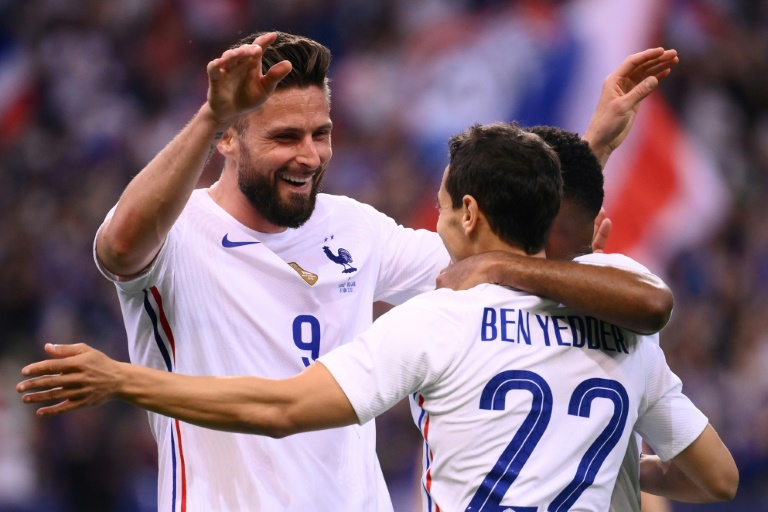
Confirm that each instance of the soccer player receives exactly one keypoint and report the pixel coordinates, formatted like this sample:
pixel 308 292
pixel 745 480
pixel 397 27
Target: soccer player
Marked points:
pixel 522 403
pixel 570 238
pixel 260 274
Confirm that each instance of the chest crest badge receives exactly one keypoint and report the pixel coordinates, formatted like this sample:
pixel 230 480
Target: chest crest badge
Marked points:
pixel 343 258
pixel 309 277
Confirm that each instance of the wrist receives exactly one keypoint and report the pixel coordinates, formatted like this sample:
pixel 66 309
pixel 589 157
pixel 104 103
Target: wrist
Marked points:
pixel 500 269
pixel 207 114
pixel 601 151
pixel 121 376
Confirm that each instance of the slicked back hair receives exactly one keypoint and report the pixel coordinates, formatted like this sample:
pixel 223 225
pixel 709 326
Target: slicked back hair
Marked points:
pixel 310 59
pixel 582 174
pixel 514 177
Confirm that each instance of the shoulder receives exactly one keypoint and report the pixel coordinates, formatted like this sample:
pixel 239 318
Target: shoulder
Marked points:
pixel 333 202
pixel 443 303
pixel 454 306
pixel 338 205
pixel 612 260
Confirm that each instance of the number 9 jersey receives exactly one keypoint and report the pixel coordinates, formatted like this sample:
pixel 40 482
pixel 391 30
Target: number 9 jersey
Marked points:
pixel 524 405
pixel 221 299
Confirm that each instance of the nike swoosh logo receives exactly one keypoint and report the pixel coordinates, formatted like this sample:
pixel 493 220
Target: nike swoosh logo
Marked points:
pixel 226 242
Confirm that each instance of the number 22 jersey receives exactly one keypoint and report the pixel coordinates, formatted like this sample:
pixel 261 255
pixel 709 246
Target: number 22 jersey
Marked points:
pixel 524 405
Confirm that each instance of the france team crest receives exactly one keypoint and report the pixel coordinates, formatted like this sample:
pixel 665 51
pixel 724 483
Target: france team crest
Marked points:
pixel 342 257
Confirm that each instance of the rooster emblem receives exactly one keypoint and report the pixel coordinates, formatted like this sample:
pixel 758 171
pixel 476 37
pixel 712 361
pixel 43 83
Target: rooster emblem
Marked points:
pixel 344 259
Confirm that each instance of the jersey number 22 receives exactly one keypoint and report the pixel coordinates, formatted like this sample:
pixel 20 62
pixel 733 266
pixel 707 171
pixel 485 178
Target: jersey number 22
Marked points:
pixel 496 483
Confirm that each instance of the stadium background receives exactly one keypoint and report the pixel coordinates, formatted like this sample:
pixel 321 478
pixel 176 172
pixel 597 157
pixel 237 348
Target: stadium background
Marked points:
pixel 91 90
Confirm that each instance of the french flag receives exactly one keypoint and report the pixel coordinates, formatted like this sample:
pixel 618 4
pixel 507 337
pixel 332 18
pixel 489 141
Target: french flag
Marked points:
pixel 663 190
pixel 546 65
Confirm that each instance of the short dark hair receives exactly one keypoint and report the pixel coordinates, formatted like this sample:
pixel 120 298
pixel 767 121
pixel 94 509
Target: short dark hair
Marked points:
pixel 311 60
pixel 582 174
pixel 514 177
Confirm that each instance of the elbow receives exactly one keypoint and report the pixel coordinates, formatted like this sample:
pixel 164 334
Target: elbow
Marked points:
pixel 658 310
pixel 725 486
pixel 113 253
pixel 279 430
pixel 274 421
pixel 119 253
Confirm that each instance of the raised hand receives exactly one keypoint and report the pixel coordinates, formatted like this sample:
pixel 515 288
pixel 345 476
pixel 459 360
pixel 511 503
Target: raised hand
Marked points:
pixel 235 81
pixel 622 92
pixel 80 377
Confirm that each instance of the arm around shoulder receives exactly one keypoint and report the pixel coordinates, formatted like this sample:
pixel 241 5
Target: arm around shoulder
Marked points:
pixel 631 299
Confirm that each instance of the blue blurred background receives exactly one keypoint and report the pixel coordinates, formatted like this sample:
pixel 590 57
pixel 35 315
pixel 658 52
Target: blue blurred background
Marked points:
pixel 91 90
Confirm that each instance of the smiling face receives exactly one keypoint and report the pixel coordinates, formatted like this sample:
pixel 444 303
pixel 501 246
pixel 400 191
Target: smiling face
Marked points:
pixel 283 150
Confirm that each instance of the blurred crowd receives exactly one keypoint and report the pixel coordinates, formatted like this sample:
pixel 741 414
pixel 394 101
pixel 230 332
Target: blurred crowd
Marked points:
pixel 91 90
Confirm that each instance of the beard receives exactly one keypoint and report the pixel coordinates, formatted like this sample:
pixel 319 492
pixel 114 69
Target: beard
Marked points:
pixel 263 194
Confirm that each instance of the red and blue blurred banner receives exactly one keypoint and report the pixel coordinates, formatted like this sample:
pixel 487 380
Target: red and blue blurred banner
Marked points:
pixel 544 63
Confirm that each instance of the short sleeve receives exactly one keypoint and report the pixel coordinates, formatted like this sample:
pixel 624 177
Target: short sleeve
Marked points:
pixel 151 274
pixel 411 259
pixel 612 260
pixel 670 421
pixel 405 350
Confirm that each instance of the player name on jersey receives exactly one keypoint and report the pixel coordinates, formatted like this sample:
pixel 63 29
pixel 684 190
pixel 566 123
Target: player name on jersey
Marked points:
pixel 577 331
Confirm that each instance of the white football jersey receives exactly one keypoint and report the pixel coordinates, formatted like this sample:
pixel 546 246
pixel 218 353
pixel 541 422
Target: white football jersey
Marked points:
pixel 222 299
pixel 523 404
pixel 685 422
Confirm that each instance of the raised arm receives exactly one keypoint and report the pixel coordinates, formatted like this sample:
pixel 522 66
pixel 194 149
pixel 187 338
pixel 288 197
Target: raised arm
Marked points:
pixel 704 472
pixel 84 377
pixel 622 92
pixel 634 300
pixel 152 202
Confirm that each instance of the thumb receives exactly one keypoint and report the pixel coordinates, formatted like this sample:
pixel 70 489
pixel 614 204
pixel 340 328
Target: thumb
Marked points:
pixel 643 89
pixel 66 350
pixel 277 73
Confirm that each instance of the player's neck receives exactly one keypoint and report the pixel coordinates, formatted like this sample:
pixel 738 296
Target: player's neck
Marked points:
pixel 227 195
pixel 493 243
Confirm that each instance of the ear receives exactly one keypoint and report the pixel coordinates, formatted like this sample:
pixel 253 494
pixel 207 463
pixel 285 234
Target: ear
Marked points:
pixel 229 143
pixel 470 215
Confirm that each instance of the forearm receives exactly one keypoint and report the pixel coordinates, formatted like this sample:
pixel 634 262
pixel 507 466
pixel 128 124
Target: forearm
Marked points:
pixel 665 479
pixel 633 300
pixel 704 472
pixel 235 404
pixel 154 199
pixel 310 401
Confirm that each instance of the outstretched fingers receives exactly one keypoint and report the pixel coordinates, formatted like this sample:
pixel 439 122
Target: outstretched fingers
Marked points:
pixel 60 408
pixel 663 68
pixel 631 64
pixel 275 74
pixel 61 365
pixel 35 384
pixel 656 67
pixel 235 62
pixel 67 390
pixel 237 83
pixel 265 40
